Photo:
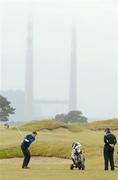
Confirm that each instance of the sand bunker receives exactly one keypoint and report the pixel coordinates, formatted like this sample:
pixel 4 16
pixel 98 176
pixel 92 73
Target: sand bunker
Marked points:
pixel 37 160
pixel 64 130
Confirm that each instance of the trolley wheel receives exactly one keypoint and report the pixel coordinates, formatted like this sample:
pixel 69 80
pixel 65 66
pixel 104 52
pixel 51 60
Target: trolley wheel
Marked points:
pixel 83 167
pixel 71 166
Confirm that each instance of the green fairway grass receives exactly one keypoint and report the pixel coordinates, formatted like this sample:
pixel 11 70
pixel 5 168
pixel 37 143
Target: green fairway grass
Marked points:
pixel 56 171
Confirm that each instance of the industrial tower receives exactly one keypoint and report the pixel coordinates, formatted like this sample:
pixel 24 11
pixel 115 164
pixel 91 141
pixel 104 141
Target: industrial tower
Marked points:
pixel 73 73
pixel 29 72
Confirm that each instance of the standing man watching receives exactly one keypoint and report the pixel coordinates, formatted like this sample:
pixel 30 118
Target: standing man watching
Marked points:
pixel 24 147
pixel 109 143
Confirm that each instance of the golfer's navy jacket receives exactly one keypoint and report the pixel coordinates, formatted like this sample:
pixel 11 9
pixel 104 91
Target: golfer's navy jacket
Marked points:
pixel 109 139
pixel 27 141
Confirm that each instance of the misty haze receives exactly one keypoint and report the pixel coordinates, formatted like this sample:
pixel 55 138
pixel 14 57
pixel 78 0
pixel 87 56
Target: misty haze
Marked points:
pixel 59 56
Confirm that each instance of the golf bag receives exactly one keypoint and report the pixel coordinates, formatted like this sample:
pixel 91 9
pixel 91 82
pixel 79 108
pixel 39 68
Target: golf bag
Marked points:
pixel 77 157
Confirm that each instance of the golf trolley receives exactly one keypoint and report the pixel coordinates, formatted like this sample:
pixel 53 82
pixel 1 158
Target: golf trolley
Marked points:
pixel 79 163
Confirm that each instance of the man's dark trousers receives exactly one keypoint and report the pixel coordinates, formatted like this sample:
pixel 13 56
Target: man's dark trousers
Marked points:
pixel 108 156
pixel 27 156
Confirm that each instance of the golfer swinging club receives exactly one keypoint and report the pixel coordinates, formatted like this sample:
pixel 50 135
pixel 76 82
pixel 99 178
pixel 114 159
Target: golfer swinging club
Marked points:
pixel 24 147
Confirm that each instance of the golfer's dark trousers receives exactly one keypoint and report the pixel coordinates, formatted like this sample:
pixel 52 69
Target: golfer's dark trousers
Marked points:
pixel 108 157
pixel 27 156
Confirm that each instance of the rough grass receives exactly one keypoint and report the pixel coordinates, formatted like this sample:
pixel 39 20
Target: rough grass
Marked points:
pixel 101 125
pixel 73 127
pixel 52 143
pixel 56 143
pixel 45 124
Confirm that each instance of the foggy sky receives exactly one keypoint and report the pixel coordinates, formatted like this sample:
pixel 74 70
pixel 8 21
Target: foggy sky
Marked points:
pixel 96 25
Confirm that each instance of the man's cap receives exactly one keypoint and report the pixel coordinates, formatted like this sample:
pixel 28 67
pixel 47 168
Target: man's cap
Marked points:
pixel 34 132
pixel 107 130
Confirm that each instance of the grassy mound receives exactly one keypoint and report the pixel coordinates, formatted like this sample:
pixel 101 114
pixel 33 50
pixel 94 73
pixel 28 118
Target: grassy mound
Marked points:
pixel 73 127
pixel 52 125
pixel 101 125
pixel 44 124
